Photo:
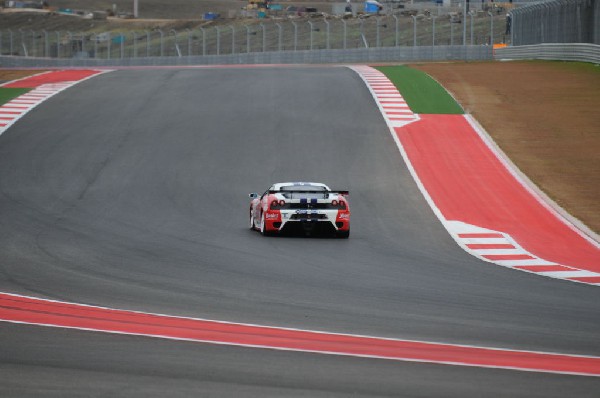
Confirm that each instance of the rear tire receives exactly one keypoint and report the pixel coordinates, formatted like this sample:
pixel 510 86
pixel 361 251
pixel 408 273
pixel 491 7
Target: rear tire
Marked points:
pixel 252 226
pixel 263 225
pixel 343 234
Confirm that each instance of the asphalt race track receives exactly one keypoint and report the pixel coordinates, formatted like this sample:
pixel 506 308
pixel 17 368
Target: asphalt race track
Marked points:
pixel 129 190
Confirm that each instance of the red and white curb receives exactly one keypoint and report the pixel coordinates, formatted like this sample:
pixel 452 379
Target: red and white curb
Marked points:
pixel 16 108
pixel 500 248
pixel 34 311
pixel 13 110
pixel 392 105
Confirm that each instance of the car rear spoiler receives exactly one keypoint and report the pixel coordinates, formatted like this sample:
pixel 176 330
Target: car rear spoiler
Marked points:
pixel 344 193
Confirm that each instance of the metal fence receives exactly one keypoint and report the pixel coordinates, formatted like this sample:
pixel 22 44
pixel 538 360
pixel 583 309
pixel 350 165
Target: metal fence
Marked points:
pixel 583 52
pixel 557 21
pixel 483 28
pixel 355 55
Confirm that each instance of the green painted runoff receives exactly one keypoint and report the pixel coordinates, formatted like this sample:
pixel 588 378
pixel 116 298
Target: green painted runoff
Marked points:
pixel 6 94
pixel 420 91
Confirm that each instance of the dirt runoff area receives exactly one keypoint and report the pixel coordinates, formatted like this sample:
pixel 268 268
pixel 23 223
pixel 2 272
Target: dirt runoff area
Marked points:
pixel 543 115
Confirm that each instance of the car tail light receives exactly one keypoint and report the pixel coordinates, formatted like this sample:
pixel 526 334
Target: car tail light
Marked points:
pixel 334 202
pixel 282 202
pixel 274 204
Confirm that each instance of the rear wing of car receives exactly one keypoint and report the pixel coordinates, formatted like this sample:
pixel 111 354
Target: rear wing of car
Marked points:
pixel 305 192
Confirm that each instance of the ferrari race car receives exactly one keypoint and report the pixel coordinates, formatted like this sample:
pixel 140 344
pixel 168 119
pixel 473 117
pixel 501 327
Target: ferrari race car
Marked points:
pixel 305 207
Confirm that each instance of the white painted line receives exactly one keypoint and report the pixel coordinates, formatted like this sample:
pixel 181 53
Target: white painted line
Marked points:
pixel 399 111
pixel 400 117
pixel 486 241
pixel 568 274
pixel 487 252
pixel 13 110
pixel 530 262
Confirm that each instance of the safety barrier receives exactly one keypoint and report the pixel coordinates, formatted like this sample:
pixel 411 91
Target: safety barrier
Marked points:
pixel 584 52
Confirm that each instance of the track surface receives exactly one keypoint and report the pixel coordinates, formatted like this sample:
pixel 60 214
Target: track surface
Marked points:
pixel 130 190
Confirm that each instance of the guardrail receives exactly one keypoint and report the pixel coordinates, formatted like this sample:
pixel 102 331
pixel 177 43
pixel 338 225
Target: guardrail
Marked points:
pixel 583 52
pixel 337 56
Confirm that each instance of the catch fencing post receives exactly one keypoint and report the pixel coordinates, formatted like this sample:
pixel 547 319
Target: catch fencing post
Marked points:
pixel 232 38
pixel 33 47
pixel 433 30
pixel 344 23
pixel 247 38
pixel 579 36
pixel 23 45
pixel 135 52
pixel 10 33
pixel 57 43
pixel 218 40
pixel 177 49
pixel 122 40
pixel 491 28
pixel 70 35
pixel 471 14
pixel 147 44
pixel 203 41
pixel 377 24
pixel 414 30
pixel 397 31
pixel 295 35
pixel 264 37
pixel 311 34
pixel 47 45
pixel 327 37
pixel 362 33
pixel 280 34
pixel 189 47
pixel 162 43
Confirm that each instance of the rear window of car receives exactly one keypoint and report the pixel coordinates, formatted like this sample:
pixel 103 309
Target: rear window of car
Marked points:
pixel 307 188
pixel 312 191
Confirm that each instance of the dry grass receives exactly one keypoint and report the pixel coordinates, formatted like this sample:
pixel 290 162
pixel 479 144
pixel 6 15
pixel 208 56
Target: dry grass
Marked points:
pixel 7 75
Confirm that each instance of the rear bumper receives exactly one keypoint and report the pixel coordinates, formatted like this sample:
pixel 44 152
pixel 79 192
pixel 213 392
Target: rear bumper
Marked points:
pixel 334 220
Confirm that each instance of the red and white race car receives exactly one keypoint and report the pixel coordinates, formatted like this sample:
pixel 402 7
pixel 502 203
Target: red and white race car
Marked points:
pixel 307 207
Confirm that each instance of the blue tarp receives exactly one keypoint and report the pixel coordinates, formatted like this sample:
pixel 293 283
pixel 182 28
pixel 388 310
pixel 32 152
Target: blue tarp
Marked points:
pixel 373 6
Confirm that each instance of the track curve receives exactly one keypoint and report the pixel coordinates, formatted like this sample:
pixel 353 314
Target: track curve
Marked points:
pixel 129 191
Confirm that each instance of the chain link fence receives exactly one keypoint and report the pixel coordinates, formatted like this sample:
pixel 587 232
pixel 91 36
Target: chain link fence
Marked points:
pixel 255 36
pixel 557 21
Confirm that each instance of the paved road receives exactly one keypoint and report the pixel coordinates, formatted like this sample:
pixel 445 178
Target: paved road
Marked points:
pixel 129 190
